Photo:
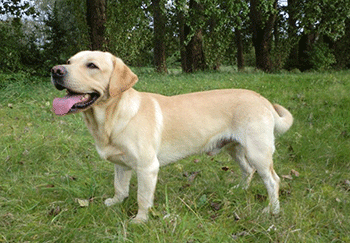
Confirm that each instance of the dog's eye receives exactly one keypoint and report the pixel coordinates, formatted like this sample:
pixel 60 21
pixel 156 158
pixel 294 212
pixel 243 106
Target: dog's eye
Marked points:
pixel 92 66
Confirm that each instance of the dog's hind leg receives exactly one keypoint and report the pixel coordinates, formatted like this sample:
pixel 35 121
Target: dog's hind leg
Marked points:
pixel 260 157
pixel 237 152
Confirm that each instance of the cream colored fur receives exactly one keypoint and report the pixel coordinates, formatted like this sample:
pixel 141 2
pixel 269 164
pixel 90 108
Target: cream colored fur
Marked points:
pixel 143 131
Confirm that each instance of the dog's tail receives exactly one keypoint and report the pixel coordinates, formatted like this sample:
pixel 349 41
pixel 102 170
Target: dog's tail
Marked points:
pixel 283 119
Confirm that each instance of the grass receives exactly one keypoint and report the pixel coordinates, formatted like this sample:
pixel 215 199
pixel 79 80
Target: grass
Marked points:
pixel 49 162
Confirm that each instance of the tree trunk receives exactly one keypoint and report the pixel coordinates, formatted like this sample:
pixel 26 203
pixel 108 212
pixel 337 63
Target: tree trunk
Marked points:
pixel 194 57
pixel 182 35
pixel 305 46
pixel 198 58
pixel 159 43
pixel 262 35
pixel 240 56
pixel 96 19
pixel 188 51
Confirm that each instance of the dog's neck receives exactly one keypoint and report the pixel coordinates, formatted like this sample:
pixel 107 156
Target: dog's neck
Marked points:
pixel 110 117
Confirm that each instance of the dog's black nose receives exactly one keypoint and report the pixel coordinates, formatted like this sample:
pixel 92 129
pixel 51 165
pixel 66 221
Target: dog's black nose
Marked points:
pixel 58 71
pixel 58 74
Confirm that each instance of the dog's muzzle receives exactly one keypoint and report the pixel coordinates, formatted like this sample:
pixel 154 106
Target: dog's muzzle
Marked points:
pixel 58 74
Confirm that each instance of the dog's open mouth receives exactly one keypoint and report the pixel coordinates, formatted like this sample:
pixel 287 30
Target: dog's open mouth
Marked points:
pixel 73 102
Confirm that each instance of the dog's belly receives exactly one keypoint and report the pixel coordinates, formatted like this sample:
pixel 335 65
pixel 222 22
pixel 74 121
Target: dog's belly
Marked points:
pixel 171 152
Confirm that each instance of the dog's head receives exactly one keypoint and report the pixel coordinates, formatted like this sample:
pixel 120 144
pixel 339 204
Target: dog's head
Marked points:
pixel 90 77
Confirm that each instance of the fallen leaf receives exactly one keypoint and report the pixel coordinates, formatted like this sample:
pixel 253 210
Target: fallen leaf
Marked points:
pixel 344 134
pixel 9 105
pixel 236 236
pixel 272 227
pixel 215 206
pixel 62 122
pixel 295 173
pixel 289 177
pixel 83 202
pixel 191 176
pixel 225 168
pixel 185 186
pixel 236 216
pixel 214 216
pixel 260 197
pixel 338 200
pixel 25 152
pixel 55 211
pixel 45 185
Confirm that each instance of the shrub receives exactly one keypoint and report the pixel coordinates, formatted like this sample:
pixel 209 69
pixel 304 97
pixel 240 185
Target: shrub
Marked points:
pixel 321 57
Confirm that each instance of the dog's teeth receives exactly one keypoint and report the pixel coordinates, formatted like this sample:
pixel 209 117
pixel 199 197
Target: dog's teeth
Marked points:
pixel 86 96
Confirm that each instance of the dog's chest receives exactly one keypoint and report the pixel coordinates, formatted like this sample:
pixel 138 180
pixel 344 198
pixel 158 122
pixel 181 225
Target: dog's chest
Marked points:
pixel 112 154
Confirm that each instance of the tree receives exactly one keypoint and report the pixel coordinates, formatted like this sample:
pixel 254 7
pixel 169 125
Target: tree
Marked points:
pixel 239 12
pixel 129 31
pixel 263 15
pixel 159 41
pixel 96 19
pixel 314 25
pixel 67 32
pixel 191 35
pixel 17 8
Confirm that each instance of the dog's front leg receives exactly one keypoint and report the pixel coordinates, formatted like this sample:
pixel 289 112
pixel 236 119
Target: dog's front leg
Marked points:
pixel 122 176
pixel 147 180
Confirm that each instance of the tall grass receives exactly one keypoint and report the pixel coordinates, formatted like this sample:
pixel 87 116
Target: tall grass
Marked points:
pixel 49 162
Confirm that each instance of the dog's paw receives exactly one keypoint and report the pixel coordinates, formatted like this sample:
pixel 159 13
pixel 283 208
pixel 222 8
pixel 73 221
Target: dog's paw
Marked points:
pixel 274 211
pixel 114 200
pixel 139 220
pixel 266 210
pixel 111 201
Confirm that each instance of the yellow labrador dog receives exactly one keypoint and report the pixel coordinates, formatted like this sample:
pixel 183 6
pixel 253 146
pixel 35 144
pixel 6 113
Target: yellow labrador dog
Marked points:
pixel 143 131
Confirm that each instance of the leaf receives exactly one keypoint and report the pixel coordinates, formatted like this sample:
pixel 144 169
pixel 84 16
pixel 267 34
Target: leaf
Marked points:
pixel 240 234
pixel 294 173
pixel 236 216
pixel 289 177
pixel 202 200
pixel 193 176
pixel 83 202
pixel 215 206
pixel 55 211
pixel 225 168
pixel 272 228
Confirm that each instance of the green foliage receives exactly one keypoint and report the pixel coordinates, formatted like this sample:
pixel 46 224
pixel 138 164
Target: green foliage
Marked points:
pixel 325 16
pixel 321 57
pixel 17 8
pixel 48 162
pixel 35 35
pixel 67 31
pixel 10 46
pixel 129 31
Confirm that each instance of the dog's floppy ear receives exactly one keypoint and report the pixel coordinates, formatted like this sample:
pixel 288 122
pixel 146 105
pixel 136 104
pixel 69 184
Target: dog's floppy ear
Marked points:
pixel 122 78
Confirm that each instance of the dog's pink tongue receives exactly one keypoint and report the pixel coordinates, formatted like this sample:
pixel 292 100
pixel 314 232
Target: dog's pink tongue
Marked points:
pixel 61 106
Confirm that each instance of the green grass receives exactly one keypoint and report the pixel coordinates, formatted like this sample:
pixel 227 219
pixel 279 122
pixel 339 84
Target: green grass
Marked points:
pixel 48 162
